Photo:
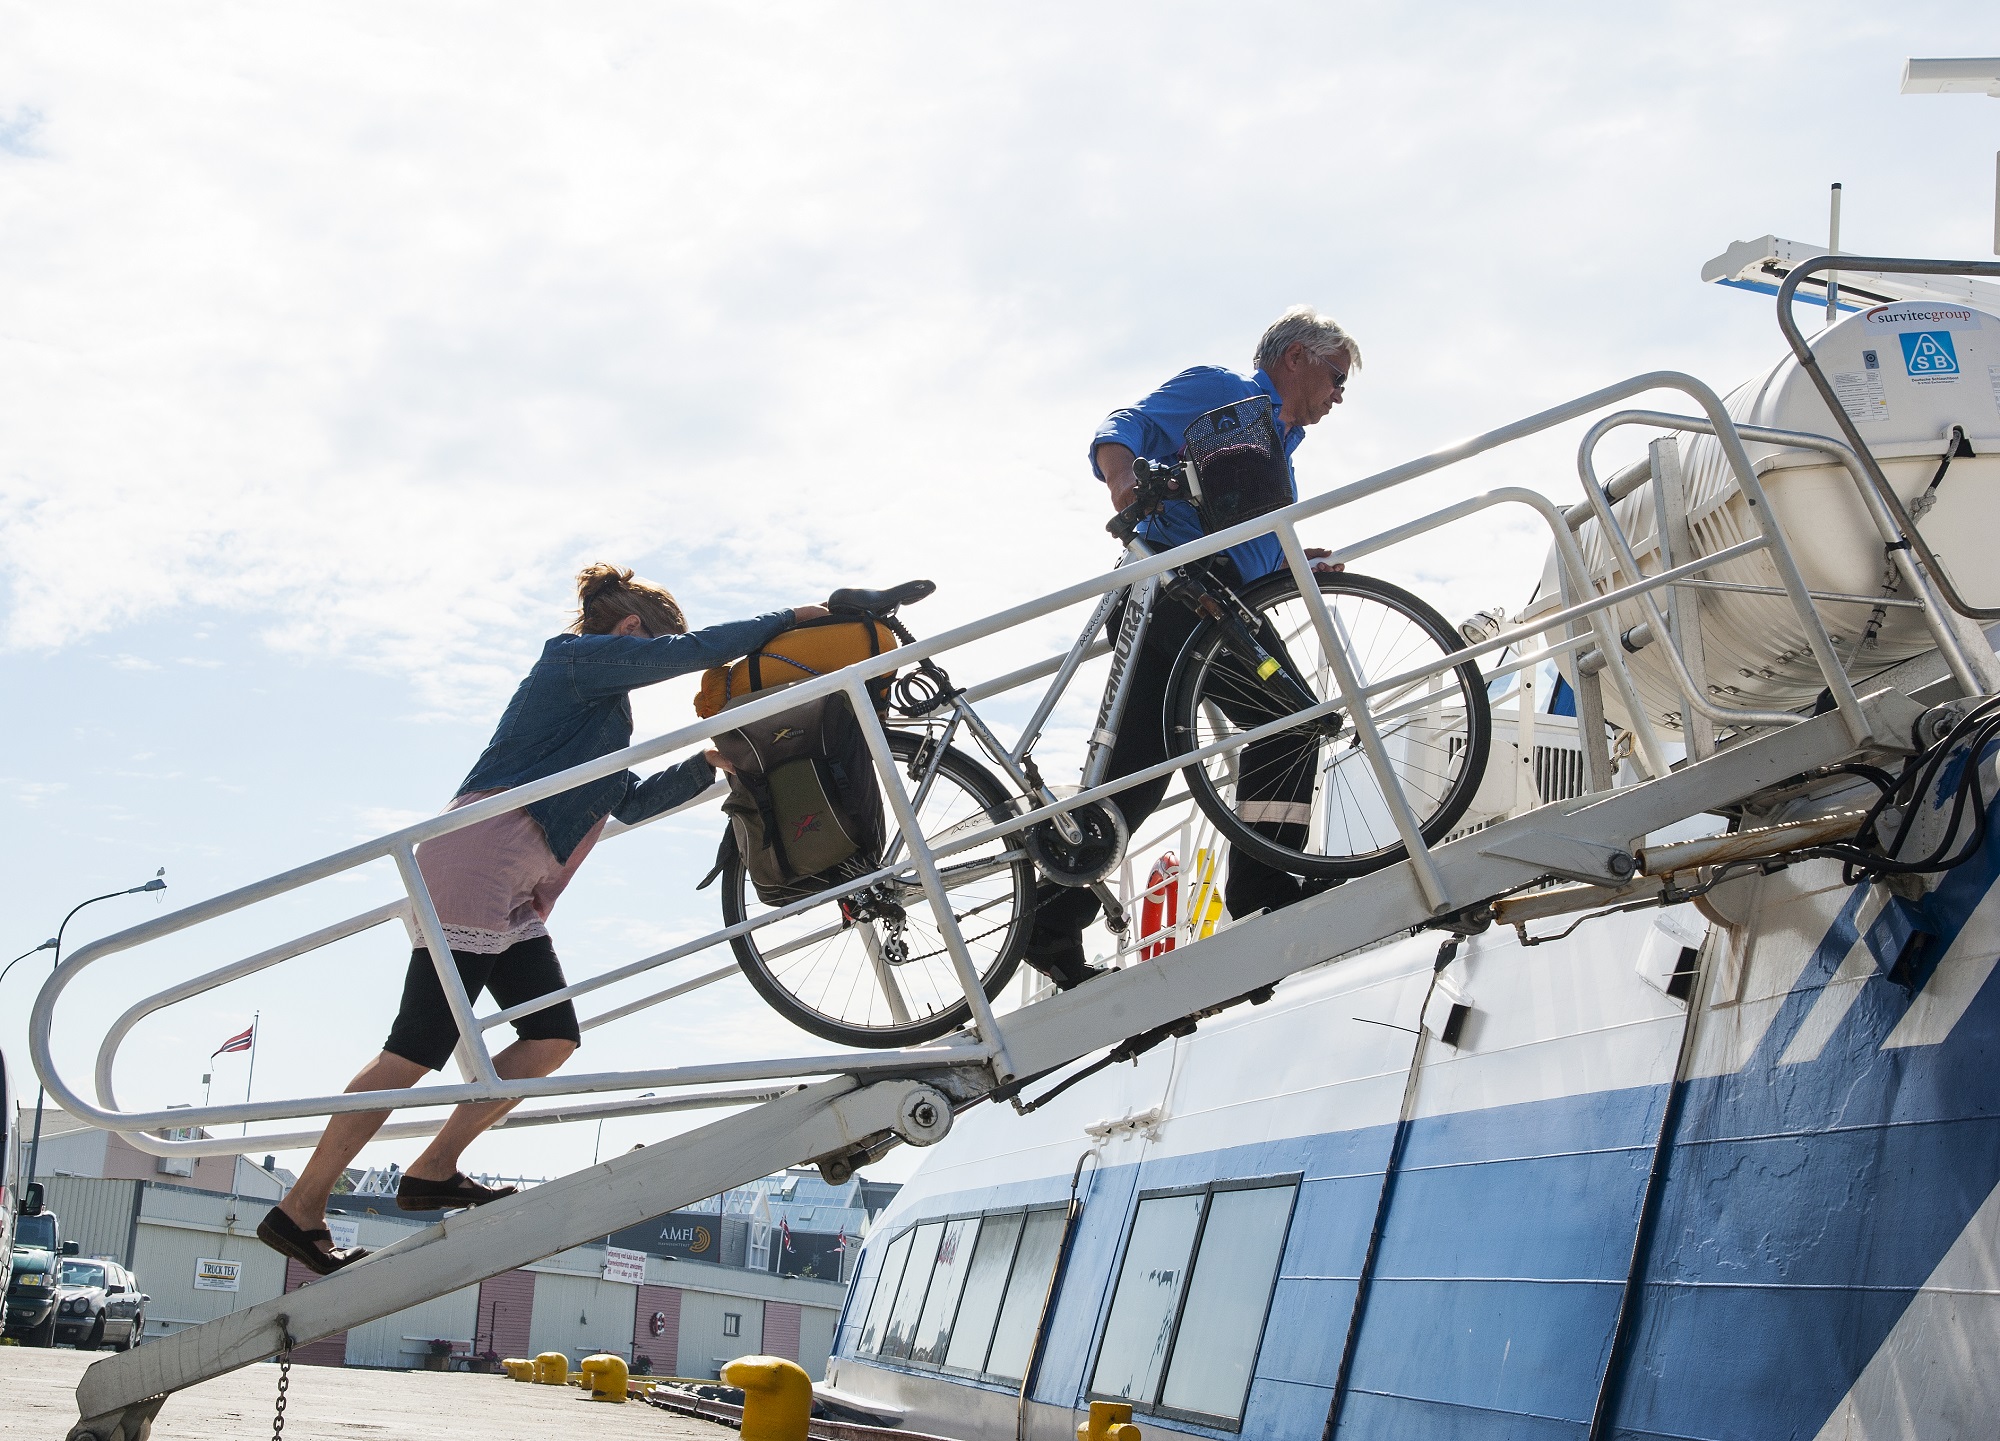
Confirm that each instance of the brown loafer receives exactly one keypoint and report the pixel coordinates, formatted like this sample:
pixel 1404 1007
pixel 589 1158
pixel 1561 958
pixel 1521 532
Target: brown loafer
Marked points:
pixel 288 1238
pixel 416 1194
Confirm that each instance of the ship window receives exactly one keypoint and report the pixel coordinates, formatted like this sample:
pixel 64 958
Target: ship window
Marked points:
pixel 885 1296
pixel 901 1331
pixel 965 1294
pixel 954 1258
pixel 1195 1286
pixel 985 1284
pixel 1148 1299
pixel 1027 1289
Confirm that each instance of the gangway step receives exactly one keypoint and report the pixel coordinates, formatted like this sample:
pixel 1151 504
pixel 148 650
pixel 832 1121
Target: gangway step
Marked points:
pixel 840 1121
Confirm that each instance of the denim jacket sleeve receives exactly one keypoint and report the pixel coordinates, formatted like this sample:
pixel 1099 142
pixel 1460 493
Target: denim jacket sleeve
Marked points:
pixel 614 664
pixel 665 790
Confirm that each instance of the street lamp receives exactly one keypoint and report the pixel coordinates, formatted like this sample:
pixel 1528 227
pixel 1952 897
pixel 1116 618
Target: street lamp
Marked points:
pixel 594 1150
pixel 54 943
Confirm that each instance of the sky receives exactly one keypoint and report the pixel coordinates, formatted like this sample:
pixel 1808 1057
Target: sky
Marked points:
pixel 335 339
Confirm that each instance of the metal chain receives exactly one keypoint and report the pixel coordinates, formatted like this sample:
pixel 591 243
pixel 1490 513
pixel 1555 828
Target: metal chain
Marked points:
pixel 284 1385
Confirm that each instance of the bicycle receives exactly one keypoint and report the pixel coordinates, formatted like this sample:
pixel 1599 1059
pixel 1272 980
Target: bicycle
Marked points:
pixel 868 966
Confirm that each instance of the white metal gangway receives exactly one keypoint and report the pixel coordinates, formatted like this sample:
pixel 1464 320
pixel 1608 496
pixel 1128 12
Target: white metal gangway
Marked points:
pixel 841 1109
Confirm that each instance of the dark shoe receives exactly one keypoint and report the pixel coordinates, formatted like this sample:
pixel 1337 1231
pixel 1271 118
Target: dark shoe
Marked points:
pixel 416 1194
pixel 1060 958
pixel 288 1238
pixel 1069 980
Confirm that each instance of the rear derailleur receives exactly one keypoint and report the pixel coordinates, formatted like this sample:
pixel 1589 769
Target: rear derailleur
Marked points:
pixel 874 904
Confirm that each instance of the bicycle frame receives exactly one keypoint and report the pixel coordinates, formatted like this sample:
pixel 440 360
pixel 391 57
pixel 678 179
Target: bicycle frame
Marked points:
pixel 1017 761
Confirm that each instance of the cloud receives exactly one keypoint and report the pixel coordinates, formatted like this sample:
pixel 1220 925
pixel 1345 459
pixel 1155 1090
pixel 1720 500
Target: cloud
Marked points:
pixel 379 348
pixel 19 129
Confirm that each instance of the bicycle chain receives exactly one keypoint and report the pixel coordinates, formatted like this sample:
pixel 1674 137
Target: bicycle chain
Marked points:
pixel 968 940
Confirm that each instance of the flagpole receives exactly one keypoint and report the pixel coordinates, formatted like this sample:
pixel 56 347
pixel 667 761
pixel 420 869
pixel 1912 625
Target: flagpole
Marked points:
pixel 251 1080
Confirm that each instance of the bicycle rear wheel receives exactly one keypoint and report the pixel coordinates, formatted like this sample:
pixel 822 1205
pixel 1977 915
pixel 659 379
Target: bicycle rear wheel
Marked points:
pixel 871 968
pixel 1306 800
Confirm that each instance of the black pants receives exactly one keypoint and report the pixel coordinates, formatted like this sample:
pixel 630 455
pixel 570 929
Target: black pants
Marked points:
pixel 1277 781
pixel 425 1031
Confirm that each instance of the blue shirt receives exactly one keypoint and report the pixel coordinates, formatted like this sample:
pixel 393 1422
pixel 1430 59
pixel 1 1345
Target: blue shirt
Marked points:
pixel 1156 428
pixel 575 705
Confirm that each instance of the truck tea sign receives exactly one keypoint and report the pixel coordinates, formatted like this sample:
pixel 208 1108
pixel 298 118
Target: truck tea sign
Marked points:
pixel 211 1274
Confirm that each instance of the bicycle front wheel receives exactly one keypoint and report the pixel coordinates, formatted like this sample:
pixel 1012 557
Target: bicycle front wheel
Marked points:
pixel 1306 800
pixel 871 968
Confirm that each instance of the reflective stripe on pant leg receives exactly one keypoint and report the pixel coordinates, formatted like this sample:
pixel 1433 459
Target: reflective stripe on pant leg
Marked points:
pixel 1298 813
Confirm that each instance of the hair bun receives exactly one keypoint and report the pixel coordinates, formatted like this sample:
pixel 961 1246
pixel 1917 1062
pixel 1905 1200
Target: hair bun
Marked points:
pixel 600 579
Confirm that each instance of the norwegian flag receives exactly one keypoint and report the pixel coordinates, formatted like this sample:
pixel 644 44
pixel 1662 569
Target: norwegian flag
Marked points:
pixel 239 1042
pixel 785 1233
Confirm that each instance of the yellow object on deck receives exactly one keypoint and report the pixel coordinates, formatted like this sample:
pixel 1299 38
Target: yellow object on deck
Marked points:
pixel 1202 912
pixel 552 1369
pixel 1109 1421
pixel 605 1375
pixel 777 1397
pixel 519 1368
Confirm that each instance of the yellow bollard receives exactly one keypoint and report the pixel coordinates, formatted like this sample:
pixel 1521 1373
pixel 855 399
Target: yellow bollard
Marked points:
pixel 777 1397
pixel 605 1375
pixel 519 1369
pixel 1109 1421
pixel 552 1369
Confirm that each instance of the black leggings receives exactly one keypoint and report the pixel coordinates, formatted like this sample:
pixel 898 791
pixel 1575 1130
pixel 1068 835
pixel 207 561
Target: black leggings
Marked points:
pixel 425 1031
pixel 1062 912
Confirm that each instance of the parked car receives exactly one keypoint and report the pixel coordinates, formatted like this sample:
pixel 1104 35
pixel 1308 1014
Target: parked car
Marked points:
pixel 35 1272
pixel 98 1303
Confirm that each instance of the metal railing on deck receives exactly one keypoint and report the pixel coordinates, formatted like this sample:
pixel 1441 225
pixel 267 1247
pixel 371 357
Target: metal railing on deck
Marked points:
pixel 1584 620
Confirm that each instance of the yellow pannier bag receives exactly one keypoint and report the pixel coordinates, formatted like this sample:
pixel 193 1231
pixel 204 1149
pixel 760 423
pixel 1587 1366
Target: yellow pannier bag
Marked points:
pixel 816 648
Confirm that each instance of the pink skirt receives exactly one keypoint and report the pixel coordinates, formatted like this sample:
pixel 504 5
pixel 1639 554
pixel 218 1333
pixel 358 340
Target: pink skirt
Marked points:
pixel 495 883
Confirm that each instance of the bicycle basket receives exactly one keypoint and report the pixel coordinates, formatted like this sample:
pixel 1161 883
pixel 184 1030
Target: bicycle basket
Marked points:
pixel 1239 463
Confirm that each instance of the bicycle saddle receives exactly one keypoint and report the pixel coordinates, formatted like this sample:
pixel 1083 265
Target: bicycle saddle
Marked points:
pixel 879 603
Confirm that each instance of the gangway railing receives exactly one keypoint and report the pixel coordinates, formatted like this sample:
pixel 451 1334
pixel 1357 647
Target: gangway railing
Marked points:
pixel 1585 618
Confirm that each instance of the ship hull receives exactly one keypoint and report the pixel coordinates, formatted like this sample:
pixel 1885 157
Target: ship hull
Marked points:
pixel 1775 1218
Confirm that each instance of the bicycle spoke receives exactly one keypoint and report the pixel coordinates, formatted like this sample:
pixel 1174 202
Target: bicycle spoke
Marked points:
pixel 874 968
pixel 1426 723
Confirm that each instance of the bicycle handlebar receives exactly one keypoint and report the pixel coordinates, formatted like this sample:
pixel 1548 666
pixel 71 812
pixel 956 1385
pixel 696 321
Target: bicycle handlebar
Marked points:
pixel 1157 484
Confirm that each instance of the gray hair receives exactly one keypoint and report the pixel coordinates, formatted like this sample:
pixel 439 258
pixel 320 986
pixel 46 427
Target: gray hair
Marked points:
pixel 1302 325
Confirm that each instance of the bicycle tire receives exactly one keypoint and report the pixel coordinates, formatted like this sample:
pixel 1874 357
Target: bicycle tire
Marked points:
pixel 781 985
pixel 1201 678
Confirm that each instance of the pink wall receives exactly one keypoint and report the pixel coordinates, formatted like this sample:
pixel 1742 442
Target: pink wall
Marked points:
pixel 506 1304
pixel 665 1348
pixel 127 1162
pixel 781 1329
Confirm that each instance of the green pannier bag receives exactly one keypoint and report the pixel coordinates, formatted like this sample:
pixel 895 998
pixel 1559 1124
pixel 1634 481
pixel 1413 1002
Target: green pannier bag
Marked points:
pixel 804 805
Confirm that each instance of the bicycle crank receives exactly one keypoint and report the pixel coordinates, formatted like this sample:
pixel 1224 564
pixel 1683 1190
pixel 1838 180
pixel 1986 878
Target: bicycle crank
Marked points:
pixel 1084 862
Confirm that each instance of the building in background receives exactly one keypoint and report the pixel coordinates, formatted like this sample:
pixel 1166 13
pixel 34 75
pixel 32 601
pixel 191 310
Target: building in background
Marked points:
pixel 76 1148
pixel 790 1224
pixel 761 1269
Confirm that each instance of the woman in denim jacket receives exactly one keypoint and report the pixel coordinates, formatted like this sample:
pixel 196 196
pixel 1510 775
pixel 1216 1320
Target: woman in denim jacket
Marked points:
pixel 495 883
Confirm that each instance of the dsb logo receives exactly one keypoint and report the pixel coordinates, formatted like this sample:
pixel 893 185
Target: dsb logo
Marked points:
pixel 1928 353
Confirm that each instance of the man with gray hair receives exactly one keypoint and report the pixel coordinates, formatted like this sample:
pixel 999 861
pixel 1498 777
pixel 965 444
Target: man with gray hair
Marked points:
pixel 1302 364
